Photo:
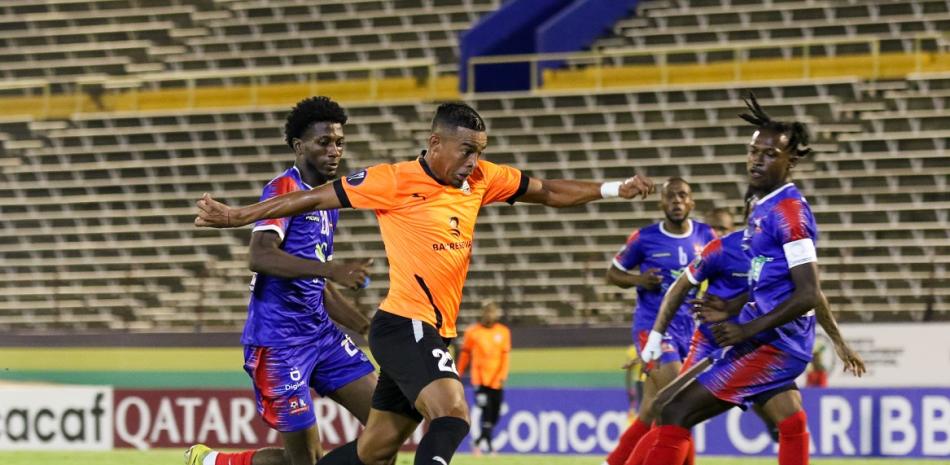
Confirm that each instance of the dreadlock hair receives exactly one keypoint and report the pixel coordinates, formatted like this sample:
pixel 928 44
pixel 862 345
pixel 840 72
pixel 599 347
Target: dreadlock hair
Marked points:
pixel 797 132
pixel 308 111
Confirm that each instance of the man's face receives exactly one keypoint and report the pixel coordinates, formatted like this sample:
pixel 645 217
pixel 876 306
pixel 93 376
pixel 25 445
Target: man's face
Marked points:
pixel 320 147
pixel 676 200
pixel 721 222
pixel 455 153
pixel 769 160
pixel 490 315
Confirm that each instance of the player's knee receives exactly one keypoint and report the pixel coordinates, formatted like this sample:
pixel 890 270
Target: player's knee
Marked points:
pixel 380 455
pixel 445 402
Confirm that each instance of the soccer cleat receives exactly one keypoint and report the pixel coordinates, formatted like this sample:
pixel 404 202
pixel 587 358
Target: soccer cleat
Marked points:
pixel 196 454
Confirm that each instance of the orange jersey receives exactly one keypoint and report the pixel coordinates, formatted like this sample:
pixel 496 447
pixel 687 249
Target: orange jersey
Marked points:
pixel 487 348
pixel 427 229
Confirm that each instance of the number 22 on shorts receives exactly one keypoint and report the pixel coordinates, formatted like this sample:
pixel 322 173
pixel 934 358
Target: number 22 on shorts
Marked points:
pixel 445 360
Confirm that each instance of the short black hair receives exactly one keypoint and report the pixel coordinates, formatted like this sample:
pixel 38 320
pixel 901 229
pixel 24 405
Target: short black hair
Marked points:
pixel 457 114
pixel 797 132
pixel 673 179
pixel 308 111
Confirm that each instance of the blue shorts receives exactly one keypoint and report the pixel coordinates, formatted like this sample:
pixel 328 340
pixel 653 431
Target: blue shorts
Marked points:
pixel 675 348
pixel 700 348
pixel 283 377
pixel 750 369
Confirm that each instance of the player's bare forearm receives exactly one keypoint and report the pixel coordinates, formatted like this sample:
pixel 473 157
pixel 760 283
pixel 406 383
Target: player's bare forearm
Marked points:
pixel 735 304
pixel 343 311
pixel 672 301
pixel 214 214
pixel 282 206
pixel 803 298
pixel 621 278
pixel 561 193
pixel 266 257
pixel 827 320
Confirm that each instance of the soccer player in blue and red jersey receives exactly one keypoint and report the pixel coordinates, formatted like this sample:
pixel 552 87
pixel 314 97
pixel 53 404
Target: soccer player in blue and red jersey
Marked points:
pixel 290 343
pixel 660 251
pixel 724 266
pixel 773 337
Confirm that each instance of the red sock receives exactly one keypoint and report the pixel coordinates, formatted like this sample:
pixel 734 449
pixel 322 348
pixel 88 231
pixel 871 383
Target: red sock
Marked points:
pixel 793 440
pixel 237 458
pixel 691 454
pixel 639 454
pixel 640 451
pixel 671 446
pixel 628 440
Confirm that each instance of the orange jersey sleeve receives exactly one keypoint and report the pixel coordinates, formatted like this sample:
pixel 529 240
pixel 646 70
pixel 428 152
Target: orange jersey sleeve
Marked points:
pixel 371 188
pixel 504 183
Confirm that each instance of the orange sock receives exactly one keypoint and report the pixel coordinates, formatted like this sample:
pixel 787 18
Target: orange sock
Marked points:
pixel 236 458
pixel 671 446
pixel 793 440
pixel 628 441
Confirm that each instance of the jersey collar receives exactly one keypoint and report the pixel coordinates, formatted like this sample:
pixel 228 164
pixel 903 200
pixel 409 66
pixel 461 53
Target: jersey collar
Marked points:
pixel 425 167
pixel 774 193
pixel 300 177
pixel 678 236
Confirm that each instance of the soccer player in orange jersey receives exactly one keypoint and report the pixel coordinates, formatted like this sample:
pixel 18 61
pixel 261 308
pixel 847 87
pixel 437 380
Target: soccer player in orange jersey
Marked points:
pixel 487 347
pixel 426 210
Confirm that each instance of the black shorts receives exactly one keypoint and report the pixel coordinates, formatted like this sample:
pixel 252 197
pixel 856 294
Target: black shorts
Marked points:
pixel 411 354
pixel 489 400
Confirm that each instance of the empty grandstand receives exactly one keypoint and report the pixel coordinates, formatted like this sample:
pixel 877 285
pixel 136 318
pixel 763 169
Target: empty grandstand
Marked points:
pixel 118 114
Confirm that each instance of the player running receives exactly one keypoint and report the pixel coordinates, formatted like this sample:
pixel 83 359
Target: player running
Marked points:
pixel 724 265
pixel 487 347
pixel 290 344
pixel 426 210
pixel 661 251
pixel 773 337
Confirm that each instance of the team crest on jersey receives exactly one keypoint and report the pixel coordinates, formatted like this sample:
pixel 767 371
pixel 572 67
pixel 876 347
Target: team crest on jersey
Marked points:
pixel 357 178
pixel 466 189
pixel 454 226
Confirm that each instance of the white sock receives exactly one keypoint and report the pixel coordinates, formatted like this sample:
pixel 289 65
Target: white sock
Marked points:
pixel 210 458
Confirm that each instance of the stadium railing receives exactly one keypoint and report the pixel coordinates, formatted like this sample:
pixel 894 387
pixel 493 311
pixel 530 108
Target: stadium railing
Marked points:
pixel 665 66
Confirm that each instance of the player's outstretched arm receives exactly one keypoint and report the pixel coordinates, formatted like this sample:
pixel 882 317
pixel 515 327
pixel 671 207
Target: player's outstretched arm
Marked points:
pixel 804 298
pixel 852 361
pixel 568 193
pixel 344 312
pixel 671 303
pixel 214 214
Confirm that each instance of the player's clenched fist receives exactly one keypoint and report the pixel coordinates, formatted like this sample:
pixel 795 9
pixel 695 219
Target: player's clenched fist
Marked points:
pixel 637 185
pixel 728 333
pixel 212 214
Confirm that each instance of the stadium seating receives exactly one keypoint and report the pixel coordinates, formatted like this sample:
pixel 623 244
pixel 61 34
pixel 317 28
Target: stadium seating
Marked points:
pixel 97 207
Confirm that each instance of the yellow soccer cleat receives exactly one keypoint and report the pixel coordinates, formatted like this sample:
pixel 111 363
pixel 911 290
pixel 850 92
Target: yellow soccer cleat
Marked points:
pixel 196 454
